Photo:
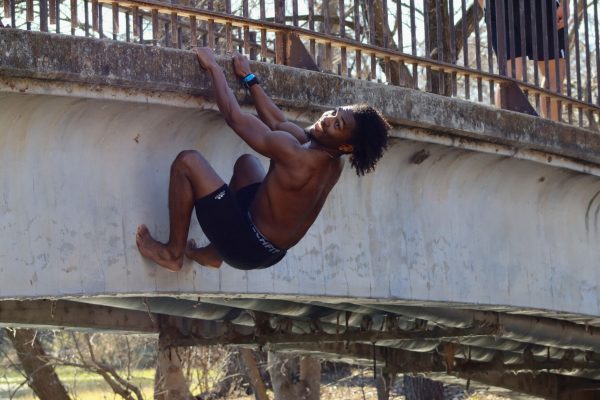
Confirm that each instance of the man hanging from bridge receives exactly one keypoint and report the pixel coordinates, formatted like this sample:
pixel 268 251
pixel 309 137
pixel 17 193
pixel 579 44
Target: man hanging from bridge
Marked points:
pixel 253 221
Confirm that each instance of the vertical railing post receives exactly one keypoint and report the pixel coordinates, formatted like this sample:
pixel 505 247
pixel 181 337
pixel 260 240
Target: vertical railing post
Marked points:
pixel 295 12
pixel 357 27
pixel 193 31
pixel 501 37
pixel 140 22
pixel 136 27
pixel 155 27
pixel 534 42
pixel 588 58
pixel 372 38
pixel 327 29
pixel 588 61
pixel 174 30
pixel 280 36
pixel 343 55
pixel 13 16
pixel 597 34
pixel 211 27
pixel 577 56
pixel 127 27
pixel 253 45
pixel 28 13
pixel 478 55
pixel 511 53
pixel 453 44
pixel 246 14
pixel 58 16
pixel 413 42
pixel 439 24
pixel 463 11
pixel 44 15
pixel 115 19
pixel 428 86
pixel 263 32
pixel 557 55
pixel 523 34
pixel 74 18
pixel 488 24
pixel 86 17
pixel 565 4
pixel 95 20
pixel 228 28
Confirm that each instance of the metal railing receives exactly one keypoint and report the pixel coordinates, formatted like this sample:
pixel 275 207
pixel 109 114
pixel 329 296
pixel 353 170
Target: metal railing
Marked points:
pixel 440 46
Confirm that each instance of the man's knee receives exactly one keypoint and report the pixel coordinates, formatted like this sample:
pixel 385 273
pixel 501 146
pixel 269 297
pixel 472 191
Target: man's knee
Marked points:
pixel 244 162
pixel 187 158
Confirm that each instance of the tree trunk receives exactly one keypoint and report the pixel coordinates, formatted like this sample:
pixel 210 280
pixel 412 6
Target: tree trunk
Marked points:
pixel 170 383
pixel 419 388
pixel 41 376
pixel 384 382
pixel 258 385
pixel 310 374
pixel 282 370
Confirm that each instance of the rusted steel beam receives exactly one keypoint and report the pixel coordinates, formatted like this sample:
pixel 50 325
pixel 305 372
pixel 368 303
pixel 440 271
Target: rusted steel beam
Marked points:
pixel 69 314
pixel 405 361
pixel 534 381
pixel 545 331
pixel 232 336
pixel 540 384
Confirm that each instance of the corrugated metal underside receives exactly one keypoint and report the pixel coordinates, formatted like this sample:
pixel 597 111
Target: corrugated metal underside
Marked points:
pixel 499 339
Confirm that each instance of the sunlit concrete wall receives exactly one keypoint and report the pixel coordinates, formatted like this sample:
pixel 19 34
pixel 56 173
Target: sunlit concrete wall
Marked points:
pixel 80 169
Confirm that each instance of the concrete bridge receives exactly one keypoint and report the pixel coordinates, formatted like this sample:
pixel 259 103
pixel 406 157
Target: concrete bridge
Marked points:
pixel 476 239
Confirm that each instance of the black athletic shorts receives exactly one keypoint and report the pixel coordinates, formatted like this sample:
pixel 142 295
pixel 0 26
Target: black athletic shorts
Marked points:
pixel 549 27
pixel 225 219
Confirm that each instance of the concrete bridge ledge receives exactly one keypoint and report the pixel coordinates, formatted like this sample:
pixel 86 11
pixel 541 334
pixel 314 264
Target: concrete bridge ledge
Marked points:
pixel 104 66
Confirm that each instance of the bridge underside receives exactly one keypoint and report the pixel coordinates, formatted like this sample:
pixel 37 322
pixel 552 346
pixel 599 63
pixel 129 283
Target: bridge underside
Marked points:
pixel 470 254
pixel 509 349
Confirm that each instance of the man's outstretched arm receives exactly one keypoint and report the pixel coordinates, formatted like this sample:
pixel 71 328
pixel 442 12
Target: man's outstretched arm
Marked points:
pixel 268 112
pixel 275 145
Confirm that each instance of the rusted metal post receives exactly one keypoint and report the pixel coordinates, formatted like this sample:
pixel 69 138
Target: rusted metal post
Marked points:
pixel 193 31
pixel 343 55
pixel 136 27
pixel 43 15
pixel 155 27
pixel 174 29
pixel 74 19
pixel 95 21
pixel 115 19
pixel 263 32
pixel 280 40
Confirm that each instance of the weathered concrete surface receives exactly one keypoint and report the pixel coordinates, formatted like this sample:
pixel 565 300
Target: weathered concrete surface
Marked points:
pixel 102 62
pixel 77 176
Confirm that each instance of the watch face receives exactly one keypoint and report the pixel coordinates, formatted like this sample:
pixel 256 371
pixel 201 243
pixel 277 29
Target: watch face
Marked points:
pixel 248 83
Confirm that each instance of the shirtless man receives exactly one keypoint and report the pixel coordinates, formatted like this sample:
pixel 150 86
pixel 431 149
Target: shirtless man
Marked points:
pixel 253 221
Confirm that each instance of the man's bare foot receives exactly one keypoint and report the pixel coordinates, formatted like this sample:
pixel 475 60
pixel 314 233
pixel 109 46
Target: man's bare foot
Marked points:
pixel 156 251
pixel 207 256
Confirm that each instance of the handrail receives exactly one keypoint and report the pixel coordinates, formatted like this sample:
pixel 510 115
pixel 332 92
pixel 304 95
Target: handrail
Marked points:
pixel 380 56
